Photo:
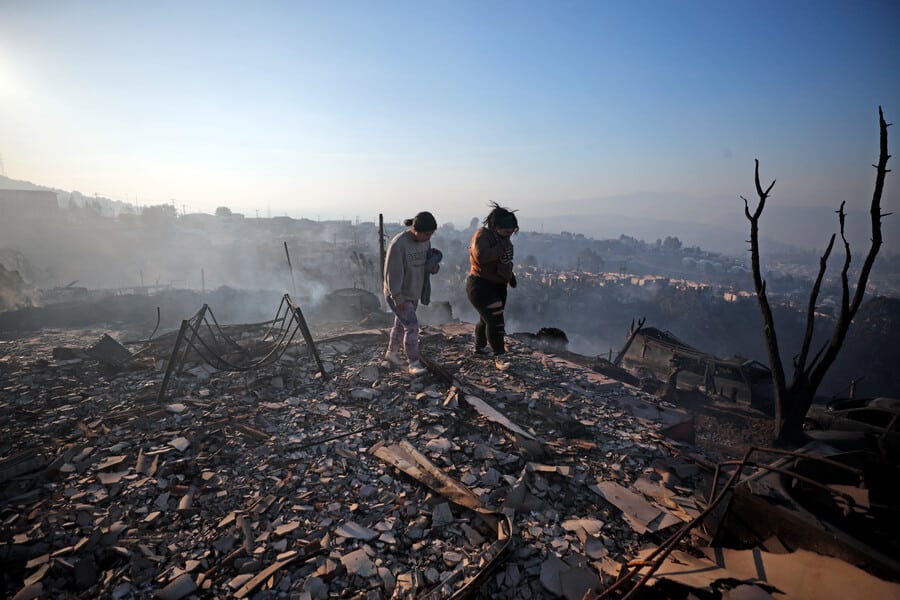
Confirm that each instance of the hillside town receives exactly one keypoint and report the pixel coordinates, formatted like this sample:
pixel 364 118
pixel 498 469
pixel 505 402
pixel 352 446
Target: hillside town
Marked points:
pixel 198 406
pixel 65 247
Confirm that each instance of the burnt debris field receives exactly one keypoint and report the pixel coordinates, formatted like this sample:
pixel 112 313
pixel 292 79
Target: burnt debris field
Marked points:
pixel 256 461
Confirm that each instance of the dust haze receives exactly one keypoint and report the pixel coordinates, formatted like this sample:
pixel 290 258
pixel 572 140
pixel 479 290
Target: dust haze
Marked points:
pixel 58 248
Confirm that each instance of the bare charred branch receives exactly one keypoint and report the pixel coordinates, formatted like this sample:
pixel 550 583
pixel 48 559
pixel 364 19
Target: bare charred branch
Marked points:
pixel 819 354
pixel 849 308
pixel 791 403
pixel 800 363
pixel 845 270
pixel 771 337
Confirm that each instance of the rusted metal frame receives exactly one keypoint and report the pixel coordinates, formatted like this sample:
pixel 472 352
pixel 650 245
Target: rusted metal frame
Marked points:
pixel 222 364
pixel 196 319
pixel 224 334
pixel 158 318
pixel 175 362
pixel 822 459
pixel 276 345
pixel 283 328
pixel 666 547
pixel 243 350
pixel 229 366
pixel 212 334
pixel 208 356
pixel 792 453
pixel 789 473
pixel 230 341
pixel 760 514
pixel 275 320
pixel 172 360
pixel 148 340
pixel 307 336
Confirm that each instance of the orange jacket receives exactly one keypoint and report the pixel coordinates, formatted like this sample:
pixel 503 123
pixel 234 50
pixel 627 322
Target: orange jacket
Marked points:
pixel 486 251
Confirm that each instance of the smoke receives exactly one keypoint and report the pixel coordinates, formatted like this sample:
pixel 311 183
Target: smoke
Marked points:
pixel 590 289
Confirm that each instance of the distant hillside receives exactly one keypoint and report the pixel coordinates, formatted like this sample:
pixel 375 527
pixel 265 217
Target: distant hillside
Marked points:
pixel 728 241
pixel 12 184
pixel 716 224
pixel 107 206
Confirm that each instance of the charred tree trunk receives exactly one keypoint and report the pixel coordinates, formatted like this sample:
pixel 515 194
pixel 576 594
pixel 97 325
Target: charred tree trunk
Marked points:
pixel 794 399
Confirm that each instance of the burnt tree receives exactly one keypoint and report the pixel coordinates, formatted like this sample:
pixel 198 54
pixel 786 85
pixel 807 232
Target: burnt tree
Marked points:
pixel 794 399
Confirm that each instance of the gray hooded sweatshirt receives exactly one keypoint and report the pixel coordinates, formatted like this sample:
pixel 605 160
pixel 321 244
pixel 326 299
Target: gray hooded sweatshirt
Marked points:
pixel 404 268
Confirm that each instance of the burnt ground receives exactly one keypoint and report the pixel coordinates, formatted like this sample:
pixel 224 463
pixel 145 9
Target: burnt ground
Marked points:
pixel 725 431
pixel 287 482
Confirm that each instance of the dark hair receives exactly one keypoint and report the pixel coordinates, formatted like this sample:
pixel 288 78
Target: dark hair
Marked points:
pixel 424 221
pixel 501 218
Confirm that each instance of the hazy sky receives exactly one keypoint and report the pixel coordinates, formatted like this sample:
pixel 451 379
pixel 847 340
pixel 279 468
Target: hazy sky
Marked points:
pixel 344 109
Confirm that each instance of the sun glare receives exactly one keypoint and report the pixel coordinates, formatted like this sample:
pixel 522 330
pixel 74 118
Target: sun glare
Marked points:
pixel 7 77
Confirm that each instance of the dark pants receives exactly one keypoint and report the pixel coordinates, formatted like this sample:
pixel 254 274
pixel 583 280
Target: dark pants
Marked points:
pixel 489 299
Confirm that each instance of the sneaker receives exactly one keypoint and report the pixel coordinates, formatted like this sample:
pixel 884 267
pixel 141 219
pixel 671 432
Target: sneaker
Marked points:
pixel 393 358
pixel 482 352
pixel 417 368
pixel 501 364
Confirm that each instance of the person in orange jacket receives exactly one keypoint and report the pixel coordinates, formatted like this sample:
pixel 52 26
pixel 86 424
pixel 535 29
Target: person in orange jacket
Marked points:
pixel 491 271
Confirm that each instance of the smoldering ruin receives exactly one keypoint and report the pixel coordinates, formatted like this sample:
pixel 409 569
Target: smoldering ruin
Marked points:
pixel 185 415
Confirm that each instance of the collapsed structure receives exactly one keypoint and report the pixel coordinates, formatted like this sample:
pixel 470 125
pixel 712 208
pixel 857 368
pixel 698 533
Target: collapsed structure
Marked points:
pixel 224 462
pixel 667 358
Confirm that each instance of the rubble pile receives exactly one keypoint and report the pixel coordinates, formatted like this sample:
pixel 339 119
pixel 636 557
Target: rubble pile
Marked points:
pixel 359 482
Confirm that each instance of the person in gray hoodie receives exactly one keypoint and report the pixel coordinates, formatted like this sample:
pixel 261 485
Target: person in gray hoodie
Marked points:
pixel 409 262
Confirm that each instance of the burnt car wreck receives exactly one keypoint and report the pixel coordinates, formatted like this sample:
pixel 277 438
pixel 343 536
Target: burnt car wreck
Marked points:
pixel 286 459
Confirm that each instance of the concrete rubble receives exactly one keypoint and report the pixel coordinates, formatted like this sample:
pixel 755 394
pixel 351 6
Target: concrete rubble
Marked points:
pixel 350 481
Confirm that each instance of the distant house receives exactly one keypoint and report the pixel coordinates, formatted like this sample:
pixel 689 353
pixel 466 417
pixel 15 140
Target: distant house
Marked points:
pixel 737 296
pixel 27 204
pixel 654 282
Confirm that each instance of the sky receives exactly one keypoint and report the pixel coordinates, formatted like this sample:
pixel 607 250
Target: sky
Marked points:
pixel 345 109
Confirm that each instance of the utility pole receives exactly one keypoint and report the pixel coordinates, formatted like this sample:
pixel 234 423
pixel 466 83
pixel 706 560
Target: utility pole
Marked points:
pixel 291 269
pixel 381 252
